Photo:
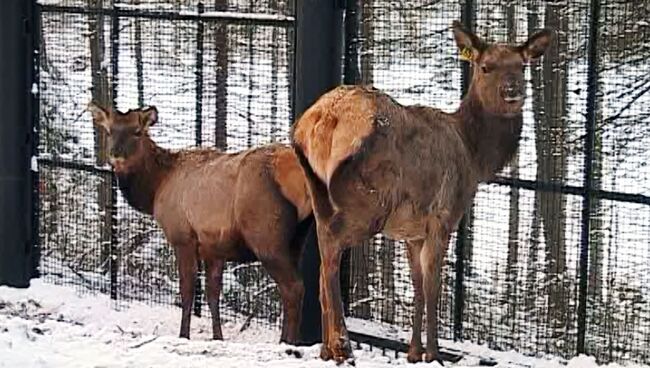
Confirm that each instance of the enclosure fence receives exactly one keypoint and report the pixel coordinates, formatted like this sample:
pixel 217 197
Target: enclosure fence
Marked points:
pixel 553 257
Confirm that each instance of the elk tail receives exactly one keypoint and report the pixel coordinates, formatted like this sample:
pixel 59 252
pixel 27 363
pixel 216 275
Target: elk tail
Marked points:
pixel 318 189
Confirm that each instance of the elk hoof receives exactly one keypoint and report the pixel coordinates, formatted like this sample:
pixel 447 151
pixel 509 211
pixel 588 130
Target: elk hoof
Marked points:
pixel 431 357
pixel 414 354
pixel 342 352
pixel 217 337
pixel 326 352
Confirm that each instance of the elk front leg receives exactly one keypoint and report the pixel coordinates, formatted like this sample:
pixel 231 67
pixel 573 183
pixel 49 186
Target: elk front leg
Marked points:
pixel 431 258
pixel 214 275
pixel 187 269
pixel 336 343
pixel 415 351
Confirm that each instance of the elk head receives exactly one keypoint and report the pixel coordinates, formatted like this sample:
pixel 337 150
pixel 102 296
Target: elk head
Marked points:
pixel 498 69
pixel 128 134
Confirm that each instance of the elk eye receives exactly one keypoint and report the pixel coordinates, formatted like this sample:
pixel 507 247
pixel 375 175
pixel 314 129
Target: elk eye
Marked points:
pixel 485 69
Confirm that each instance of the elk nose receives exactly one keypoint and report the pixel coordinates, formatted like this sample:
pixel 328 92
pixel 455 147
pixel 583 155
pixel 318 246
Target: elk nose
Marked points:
pixel 116 161
pixel 512 93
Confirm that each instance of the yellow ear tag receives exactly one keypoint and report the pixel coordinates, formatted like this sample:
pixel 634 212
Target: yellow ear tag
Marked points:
pixel 466 54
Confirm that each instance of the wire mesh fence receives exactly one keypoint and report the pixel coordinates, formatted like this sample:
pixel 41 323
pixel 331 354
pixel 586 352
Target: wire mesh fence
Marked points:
pixel 221 74
pixel 518 268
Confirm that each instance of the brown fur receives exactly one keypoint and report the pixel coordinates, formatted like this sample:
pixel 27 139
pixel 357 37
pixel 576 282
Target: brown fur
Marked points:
pixel 374 165
pixel 216 207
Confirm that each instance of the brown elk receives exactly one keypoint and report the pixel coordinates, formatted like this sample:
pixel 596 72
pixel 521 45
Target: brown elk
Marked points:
pixel 374 165
pixel 214 206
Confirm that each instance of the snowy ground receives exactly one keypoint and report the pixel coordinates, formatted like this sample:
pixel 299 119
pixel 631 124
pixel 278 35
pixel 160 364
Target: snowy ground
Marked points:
pixel 52 326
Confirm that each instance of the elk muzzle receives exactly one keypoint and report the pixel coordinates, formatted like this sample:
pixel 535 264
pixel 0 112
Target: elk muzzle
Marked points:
pixel 118 163
pixel 512 90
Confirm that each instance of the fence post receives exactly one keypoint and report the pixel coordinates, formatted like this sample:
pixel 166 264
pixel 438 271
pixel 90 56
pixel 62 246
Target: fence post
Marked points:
pixel 592 90
pixel 16 139
pixel 318 46
pixel 467 18
pixel 198 288
pixel 114 249
pixel 35 119
pixel 351 75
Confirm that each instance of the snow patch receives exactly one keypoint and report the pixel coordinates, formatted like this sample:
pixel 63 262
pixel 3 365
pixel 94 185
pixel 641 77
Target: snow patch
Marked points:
pixel 52 326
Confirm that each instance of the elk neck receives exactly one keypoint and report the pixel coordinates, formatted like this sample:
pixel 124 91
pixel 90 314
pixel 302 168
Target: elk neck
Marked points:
pixel 492 139
pixel 140 185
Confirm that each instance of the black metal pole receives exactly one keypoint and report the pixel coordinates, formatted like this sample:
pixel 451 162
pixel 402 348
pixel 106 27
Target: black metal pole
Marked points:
pixel 198 288
pixel 592 91
pixel 467 18
pixel 115 47
pixel 35 117
pixel 317 69
pixel 351 75
pixel 16 67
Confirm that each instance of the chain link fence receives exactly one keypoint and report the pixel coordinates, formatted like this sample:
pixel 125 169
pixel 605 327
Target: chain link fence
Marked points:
pixel 219 74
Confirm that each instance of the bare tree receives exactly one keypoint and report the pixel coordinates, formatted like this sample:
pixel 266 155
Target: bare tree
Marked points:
pixel 550 107
pixel 101 93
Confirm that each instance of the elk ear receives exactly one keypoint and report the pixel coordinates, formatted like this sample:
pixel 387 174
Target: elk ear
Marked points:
pixel 469 44
pixel 536 45
pixel 101 117
pixel 148 117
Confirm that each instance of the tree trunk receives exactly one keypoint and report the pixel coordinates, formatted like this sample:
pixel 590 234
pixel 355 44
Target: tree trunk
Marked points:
pixel 551 165
pixel 101 93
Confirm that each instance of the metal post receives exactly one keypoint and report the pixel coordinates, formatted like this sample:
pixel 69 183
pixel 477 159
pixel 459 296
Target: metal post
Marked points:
pixel 198 288
pixel 115 47
pixel 317 70
pixel 467 18
pixel 16 77
pixel 351 75
pixel 35 117
pixel 592 91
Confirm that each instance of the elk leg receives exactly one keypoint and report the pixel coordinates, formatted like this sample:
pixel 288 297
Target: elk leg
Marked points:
pixel 214 274
pixel 292 292
pixel 187 269
pixel 431 257
pixel 336 343
pixel 415 351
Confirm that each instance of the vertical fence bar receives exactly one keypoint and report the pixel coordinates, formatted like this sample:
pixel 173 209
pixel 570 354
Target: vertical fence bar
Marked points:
pixel 317 69
pixel 592 90
pixel 198 288
pixel 467 18
pixel 221 92
pixel 15 140
pixel 114 249
pixel 35 115
pixel 351 75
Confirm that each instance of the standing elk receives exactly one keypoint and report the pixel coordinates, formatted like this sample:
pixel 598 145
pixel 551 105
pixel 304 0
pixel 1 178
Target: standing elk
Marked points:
pixel 373 165
pixel 214 206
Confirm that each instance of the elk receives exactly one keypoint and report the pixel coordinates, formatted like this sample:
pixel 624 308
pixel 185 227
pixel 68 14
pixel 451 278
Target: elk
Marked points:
pixel 373 165
pixel 215 207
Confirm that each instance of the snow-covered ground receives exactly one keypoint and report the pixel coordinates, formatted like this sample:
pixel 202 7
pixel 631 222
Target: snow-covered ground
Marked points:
pixel 52 326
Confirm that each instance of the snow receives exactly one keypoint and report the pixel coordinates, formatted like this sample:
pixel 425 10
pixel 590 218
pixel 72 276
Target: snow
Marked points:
pixel 240 15
pixel 52 326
